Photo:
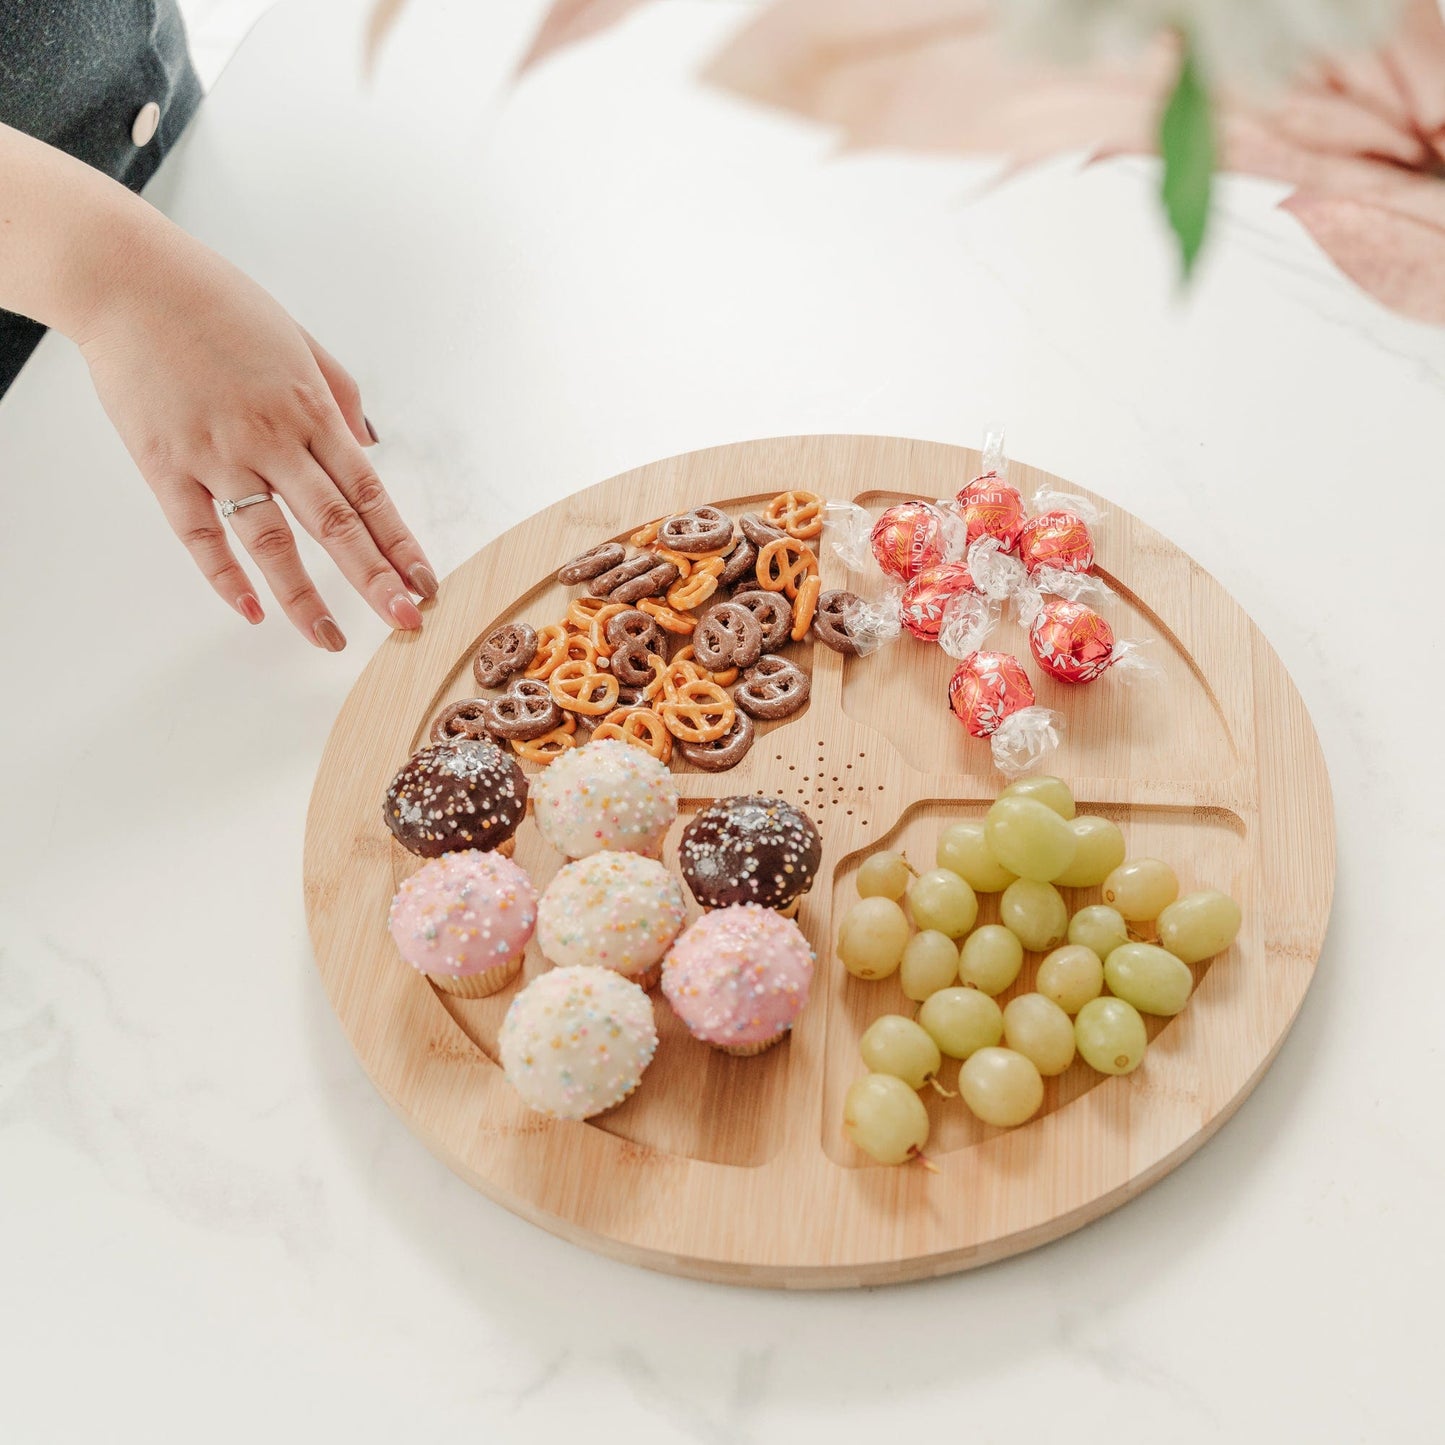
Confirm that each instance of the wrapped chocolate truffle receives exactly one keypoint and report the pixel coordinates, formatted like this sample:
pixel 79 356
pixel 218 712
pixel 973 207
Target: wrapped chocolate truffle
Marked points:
pixel 924 599
pixel 750 850
pixel 992 697
pixel 909 537
pixel 1074 643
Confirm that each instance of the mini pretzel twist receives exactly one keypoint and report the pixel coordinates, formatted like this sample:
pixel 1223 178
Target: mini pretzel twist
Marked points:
pixel 646 536
pixel 673 677
pixel 805 604
pixel 701 712
pixel 799 514
pixel 693 591
pixel 581 611
pixel 724 678
pixel 551 645
pixel 597 631
pixel 666 618
pixel 639 726
pixel 576 686
pixel 784 565
pixel 550 746
pixel 680 560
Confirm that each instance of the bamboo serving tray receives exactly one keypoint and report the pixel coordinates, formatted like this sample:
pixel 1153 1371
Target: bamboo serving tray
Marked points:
pixel 737 1169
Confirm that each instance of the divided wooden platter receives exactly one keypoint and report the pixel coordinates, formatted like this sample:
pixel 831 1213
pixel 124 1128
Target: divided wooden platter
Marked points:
pixel 736 1169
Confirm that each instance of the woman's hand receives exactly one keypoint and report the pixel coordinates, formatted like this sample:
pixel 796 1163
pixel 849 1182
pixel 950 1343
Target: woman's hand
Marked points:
pixel 218 394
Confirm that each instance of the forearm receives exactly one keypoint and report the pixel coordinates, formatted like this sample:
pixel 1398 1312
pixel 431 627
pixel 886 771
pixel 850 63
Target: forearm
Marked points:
pixel 67 233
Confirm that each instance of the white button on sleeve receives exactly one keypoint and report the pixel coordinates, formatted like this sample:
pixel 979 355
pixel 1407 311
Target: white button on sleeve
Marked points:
pixel 147 122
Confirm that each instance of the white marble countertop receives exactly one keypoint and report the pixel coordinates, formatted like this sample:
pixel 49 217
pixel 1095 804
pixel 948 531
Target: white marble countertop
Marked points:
pixel 215 1229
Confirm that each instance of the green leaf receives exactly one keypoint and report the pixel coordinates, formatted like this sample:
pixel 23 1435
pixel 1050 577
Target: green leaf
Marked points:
pixel 1186 141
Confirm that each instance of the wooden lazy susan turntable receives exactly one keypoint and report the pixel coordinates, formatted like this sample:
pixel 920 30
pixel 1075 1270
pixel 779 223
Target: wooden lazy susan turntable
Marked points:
pixel 737 1169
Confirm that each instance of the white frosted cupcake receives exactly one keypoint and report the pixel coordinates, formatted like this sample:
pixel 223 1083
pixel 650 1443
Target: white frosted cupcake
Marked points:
pixel 576 1041
pixel 605 797
pixel 615 910
pixel 464 920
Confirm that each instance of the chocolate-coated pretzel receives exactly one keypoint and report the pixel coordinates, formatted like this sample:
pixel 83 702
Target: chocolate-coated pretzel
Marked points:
pixel 643 576
pixel 631 664
pixel 725 752
pixel 605 583
pixel 774 614
pixel 773 688
pixel 728 636
pixel 525 711
pixel 634 626
pixel 592 564
pixel 628 696
pixel 704 529
pixel 739 563
pixel 469 718
pixel 757 531
pixel 503 651
pixel 833 621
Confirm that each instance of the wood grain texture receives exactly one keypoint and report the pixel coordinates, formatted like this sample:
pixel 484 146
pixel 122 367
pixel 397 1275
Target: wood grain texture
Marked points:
pixel 736 1169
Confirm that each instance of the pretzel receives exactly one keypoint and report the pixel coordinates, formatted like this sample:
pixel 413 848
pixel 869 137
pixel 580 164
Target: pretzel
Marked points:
pixel 550 746
pixel 720 754
pixel 757 531
pixel 704 529
pixel 577 687
pixel 774 616
pixel 526 710
pixel 680 560
pixel 591 563
pixel 581 611
pixel 503 651
pixel 805 604
pixel 646 536
pixel 724 678
pixel 550 644
pixel 740 563
pixel 773 688
pixel 630 625
pixel 658 578
pixel 696 589
pixel 799 514
pixel 782 566
pixel 666 618
pixel 700 712
pixel 632 664
pixel 834 620
pixel 576 648
pixel 728 636
pixel 639 726
pixel 597 632
pixel 469 718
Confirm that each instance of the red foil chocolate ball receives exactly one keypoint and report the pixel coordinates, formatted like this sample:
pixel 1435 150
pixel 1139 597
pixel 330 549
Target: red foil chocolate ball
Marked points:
pixel 987 687
pixel 991 508
pixel 1056 539
pixel 1071 641
pixel 925 597
pixel 907 538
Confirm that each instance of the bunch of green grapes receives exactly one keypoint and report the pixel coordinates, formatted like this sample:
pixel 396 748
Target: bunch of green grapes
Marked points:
pixel 1097 980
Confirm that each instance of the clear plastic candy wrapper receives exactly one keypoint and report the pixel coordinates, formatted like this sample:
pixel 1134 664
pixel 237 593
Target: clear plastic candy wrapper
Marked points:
pixel 848 530
pixel 874 623
pixel 969 619
pixel 995 573
pixel 992 697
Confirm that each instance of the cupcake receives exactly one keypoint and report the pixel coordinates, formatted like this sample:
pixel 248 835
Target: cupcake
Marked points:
pixel 617 910
pixel 605 797
pixel 750 850
pixel 576 1040
pixel 464 920
pixel 466 793
pixel 738 978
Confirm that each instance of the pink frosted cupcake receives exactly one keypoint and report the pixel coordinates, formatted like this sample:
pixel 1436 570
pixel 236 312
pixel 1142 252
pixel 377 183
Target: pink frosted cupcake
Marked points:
pixel 464 920
pixel 739 977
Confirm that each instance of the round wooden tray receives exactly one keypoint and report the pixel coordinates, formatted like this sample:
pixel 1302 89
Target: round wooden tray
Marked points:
pixel 737 1169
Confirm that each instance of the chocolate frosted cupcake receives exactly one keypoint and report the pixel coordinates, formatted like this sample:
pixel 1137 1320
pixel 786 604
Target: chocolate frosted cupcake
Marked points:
pixel 463 794
pixel 750 850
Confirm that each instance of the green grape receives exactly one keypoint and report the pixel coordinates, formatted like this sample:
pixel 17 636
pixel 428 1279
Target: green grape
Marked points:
pixel 1001 1086
pixel 885 1118
pixel 1051 792
pixel 1071 976
pixel 930 962
pixel 1199 925
pixel 884 875
pixel 990 958
pixel 1150 978
pixel 1035 912
pixel 1099 927
pixel 1110 1036
pixel 941 900
pixel 1141 889
pixel 1029 838
pixel 1041 1031
pixel 898 1046
pixel 963 849
pixel 1099 850
pixel 960 1020
pixel 874 934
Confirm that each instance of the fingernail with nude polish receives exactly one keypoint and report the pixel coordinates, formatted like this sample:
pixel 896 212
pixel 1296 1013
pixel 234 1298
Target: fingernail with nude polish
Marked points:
pixel 370 430
pixel 422 579
pixel 405 611
pixel 250 609
pixel 329 635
